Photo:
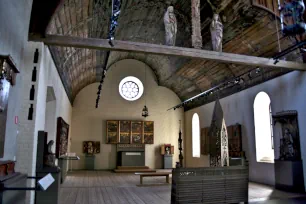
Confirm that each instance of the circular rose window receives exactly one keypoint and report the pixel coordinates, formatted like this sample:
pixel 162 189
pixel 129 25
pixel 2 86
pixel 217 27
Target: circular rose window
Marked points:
pixel 130 88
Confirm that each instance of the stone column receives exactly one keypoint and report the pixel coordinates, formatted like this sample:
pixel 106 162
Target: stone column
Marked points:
pixel 196 24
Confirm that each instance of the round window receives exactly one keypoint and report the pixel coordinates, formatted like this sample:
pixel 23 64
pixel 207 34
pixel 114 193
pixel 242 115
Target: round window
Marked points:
pixel 130 88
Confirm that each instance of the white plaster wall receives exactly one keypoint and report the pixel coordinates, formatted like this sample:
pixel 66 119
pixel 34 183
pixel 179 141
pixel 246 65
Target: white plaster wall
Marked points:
pixel 62 107
pixel 287 92
pixel 28 129
pixel 14 21
pixel 89 123
pixel 50 121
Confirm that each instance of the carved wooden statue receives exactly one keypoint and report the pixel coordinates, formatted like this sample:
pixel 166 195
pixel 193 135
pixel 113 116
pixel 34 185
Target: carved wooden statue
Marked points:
pixel 170 26
pixel 287 145
pixel 216 30
pixel 50 156
pixel 289 149
pixel 293 12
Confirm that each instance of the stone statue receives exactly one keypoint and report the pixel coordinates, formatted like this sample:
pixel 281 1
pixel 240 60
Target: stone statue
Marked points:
pixel 50 156
pixel 167 150
pixel 216 30
pixel 90 149
pixel 287 145
pixel 293 12
pixel 170 26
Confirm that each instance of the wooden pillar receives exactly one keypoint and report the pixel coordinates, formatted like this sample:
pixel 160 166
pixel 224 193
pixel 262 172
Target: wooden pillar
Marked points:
pixel 196 24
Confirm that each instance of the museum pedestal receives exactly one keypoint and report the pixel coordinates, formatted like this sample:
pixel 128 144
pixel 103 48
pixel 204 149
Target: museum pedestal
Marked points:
pixel 289 175
pixel 167 161
pixel 52 194
pixel 12 181
pixel 63 164
pixel 90 162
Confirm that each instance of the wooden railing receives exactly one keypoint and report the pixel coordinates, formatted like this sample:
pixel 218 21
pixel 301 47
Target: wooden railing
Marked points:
pixel 269 5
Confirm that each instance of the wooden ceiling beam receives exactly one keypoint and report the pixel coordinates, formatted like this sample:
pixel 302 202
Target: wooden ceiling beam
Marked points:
pixel 103 44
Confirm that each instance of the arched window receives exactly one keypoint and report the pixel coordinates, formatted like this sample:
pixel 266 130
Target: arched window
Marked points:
pixel 195 135
pixel 263 128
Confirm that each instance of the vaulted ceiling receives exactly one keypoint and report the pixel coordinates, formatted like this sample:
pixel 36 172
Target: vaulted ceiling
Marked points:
pixel 248 30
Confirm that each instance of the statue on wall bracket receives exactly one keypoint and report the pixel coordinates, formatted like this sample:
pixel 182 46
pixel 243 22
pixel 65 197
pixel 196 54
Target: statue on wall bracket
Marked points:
pixel 216 30
pixel 292 14
pixel 50 156
pixel 170 26
pixel 290 141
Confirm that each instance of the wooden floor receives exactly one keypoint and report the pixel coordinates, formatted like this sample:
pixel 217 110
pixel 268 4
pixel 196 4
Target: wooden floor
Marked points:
pixel 99 187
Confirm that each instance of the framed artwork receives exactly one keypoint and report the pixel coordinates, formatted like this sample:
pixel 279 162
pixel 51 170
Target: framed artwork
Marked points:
pixel 148 138
pixel 112 132
pixel 129 132
pixel 148 132
pixel 137 132
pixel 234 140
pixel 61 137
pixel 125 132
pixel 91 147
pixel 205 141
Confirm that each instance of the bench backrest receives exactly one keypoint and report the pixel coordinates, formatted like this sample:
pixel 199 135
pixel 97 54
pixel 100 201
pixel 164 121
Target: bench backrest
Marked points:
pixel 154 174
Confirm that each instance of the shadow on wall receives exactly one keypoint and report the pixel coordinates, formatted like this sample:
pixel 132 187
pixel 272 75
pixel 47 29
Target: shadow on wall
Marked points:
pixel 112 158
pixel 245 142
pixel 158 158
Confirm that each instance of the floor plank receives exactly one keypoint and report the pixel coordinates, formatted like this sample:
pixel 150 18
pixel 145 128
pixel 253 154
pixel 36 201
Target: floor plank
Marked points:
pixel 106 187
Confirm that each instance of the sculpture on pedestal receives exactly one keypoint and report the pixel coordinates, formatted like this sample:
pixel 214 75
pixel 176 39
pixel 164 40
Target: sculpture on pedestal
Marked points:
pixel 287 145
pixel 170 26
pixel 216 30
pixel 50 156
pixel 290 141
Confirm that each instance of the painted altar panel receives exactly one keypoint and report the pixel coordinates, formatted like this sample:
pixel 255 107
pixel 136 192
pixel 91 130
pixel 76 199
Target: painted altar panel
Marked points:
pixel 234 140
pixel 125 132
pixel 137 132
pixel 148 131
pixel 112 131
pixel 130 132
pixel 205 141
pixel 61 137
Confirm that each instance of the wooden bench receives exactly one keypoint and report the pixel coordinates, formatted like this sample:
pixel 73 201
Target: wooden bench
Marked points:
pixel 154 175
